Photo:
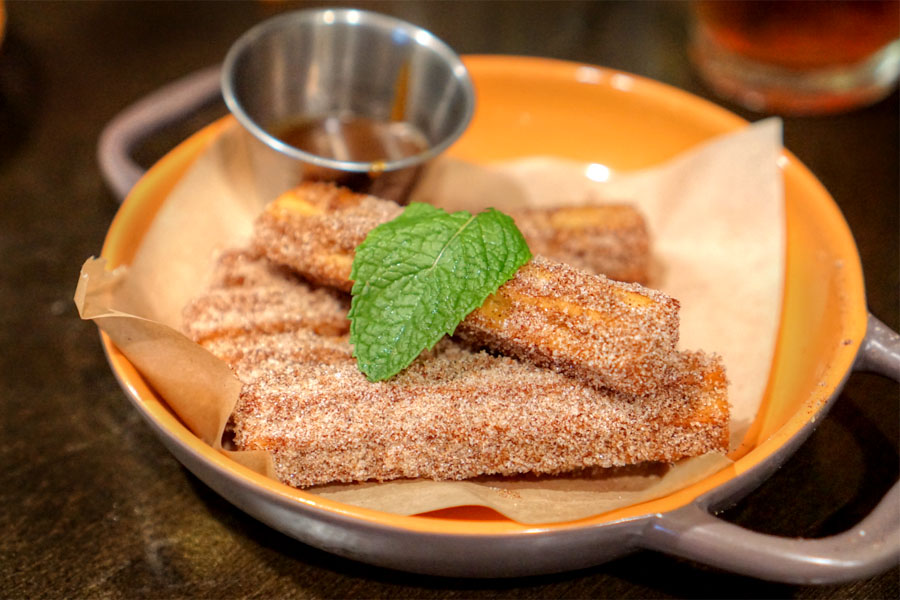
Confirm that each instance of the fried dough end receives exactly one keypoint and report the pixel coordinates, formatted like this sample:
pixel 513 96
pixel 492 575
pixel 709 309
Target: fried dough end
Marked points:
pixel 315 229
pixel 606 239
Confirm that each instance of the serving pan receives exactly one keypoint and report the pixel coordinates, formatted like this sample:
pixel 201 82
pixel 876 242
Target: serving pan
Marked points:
pixel 530 106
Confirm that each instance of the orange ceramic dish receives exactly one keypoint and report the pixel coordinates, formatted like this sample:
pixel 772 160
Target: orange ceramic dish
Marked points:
pixel 532 106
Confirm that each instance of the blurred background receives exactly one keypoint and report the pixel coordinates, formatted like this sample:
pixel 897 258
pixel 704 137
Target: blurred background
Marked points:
pixel 95 506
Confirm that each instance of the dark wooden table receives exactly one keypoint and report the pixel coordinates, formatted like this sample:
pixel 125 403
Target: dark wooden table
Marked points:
pixel 94 506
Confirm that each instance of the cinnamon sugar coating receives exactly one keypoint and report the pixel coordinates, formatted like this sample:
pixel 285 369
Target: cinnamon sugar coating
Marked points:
pixel 315 229
pixel 607 333
pixel 244 284
pixel 607 239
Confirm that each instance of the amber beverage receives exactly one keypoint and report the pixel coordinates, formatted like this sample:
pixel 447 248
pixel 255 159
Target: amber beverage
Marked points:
pixel 802 57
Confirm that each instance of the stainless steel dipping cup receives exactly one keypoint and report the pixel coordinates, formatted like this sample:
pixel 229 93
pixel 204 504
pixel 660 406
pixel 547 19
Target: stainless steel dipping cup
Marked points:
pixel 330 67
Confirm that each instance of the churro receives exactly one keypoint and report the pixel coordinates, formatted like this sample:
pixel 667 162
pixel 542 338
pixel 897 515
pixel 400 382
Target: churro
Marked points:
pixel 611 334
pixel 316 227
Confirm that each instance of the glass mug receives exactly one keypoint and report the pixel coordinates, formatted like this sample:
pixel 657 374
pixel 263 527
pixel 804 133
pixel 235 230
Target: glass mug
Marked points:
pixel 798 57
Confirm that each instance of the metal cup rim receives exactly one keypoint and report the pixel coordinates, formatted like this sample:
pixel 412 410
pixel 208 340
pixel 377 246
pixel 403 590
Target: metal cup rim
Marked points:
pixel 331 16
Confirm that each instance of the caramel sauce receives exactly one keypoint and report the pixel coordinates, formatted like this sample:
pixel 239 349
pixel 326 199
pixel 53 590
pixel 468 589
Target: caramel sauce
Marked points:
pixel 357 139
pixel 351 138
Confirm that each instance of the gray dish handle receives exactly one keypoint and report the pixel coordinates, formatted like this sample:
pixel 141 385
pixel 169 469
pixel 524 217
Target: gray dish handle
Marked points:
pixel 872 546
pixel 146 116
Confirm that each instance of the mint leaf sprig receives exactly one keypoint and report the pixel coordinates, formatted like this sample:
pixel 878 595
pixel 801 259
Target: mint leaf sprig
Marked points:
pixel 418 276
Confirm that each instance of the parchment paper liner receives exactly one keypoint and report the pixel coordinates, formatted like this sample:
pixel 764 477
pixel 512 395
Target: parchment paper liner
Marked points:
pixel 716 216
